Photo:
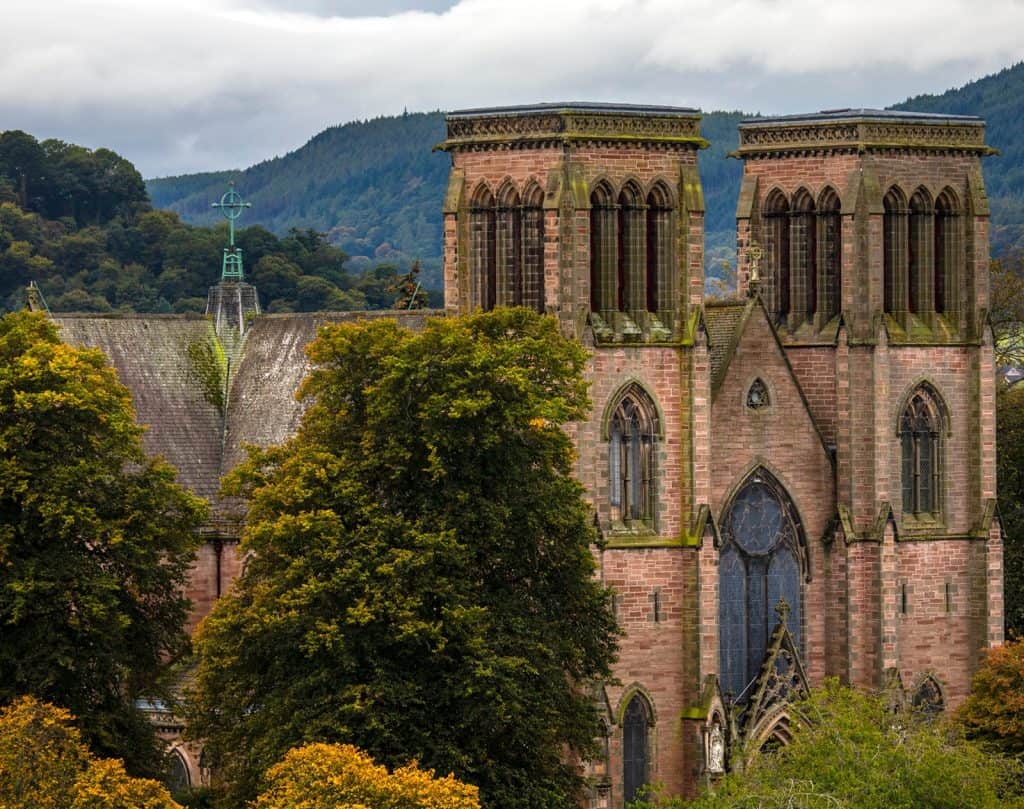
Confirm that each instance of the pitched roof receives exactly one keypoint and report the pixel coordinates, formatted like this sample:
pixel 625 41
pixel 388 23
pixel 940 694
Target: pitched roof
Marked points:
pixel 723 320
pixel 198 429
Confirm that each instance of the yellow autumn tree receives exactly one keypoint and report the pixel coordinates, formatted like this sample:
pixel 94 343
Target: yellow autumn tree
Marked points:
pixel 340 776
pixel 45 765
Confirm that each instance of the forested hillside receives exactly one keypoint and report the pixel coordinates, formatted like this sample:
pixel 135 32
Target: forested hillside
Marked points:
pixel 375 187
pixel 79 224
pixel 999 99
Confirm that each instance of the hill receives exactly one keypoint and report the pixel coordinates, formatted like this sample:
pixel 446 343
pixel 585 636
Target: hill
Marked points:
pixel 375 187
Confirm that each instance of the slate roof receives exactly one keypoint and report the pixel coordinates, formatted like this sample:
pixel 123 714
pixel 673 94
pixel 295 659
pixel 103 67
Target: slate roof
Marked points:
pixel 723 320
pixel 187 428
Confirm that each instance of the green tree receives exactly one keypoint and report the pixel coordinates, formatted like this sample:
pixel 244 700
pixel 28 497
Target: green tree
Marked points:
pixel 855 753
pixel 334 776
pixel 1010 474
pixel 96 540
pixel 44 765
pixel 420 579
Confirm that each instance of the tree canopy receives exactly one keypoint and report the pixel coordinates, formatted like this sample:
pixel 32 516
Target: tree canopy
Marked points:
pixel 420 574
pixel 96 540
pixel 334 776
pixel 994 711
pixel 855 753
pixel 44 765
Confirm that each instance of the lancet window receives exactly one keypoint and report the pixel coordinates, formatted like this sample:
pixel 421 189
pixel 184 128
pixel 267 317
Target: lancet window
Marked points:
pixel 778 255
pixel 830 256
pixel 483 237
pixel 920 263
pixel 948 250
pixel 760 564
pixel 659 251
pixel 633 434
pixel 636 723
pixel 803 234
pixel 920 452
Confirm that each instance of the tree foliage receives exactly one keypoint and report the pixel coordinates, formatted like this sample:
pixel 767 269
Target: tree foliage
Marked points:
pixel 994 711
pixel 1010 474
pixel 45 765
pixel 96 540
pixel 855 753
pixel 420 581
pixel 331 776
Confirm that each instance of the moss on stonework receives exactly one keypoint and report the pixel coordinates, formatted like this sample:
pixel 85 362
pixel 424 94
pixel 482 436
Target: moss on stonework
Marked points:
pixel 210 366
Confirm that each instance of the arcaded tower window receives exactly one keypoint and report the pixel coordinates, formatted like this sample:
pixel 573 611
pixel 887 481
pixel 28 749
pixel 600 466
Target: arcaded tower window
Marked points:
pixel 660 253
pixel 760 565
pixel 948 252
pixel 920 445
pixel 803 234
pixel 920 264
pixel 777 255
pixel 830 255
pixel 894 246
pixel 531 291
pixel 484 259
pixel 636 724
pixel 632 440
pixel 604 249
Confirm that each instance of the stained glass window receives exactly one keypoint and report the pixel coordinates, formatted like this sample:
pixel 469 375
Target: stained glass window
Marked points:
pixel 757 396
pixel 634 747
pixel 631 455
pixel 919 453
pixel 758 566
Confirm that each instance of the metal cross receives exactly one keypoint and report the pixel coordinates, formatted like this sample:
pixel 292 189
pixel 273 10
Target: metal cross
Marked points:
pixel 231 206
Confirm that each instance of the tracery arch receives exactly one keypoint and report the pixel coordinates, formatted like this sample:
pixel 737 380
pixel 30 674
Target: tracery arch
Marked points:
pixel 630 277
pixel 762 561
pixel 532 290
pixel 920 249
pixel 660 252
pixel 177 779
pixel 603 251
pixel 948 251
pixel 633 429
pixel 830 254
pixel 637 723
pixel 776 214
pixel 803 234
pixel 894 246
pixel 921 425
pixel 483 240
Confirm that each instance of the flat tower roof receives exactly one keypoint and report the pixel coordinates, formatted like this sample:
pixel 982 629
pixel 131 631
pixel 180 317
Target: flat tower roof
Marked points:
pixel 864 113
pixel 575 106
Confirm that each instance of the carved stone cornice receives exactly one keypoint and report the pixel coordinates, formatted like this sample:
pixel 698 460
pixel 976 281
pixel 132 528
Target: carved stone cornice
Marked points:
pixel 862 134
pixel 556 125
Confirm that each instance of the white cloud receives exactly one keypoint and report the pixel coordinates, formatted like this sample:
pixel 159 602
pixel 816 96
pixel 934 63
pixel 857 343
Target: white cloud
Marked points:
pixel 183 85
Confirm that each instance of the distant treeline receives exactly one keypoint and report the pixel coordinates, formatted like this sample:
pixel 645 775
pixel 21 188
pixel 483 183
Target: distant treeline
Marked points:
pixel 79 223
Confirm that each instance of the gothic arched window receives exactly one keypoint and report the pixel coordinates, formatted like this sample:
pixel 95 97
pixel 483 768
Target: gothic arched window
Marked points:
pixel 177 779
pixel 603 252
pixel 894 246
pixel 830 256
pixel 632 434
pixel 920 439
pixel 659 250
pixel 631 276
pixel 777 254
pixel 947 252
pixel 921 244
pixel 509 246
pixel 803 258
pixel 760 564
pixel 531 294
pixel 636 723
pixel 484 260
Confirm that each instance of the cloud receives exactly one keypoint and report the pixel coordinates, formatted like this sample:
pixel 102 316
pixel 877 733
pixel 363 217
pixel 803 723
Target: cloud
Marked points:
pixel 184 85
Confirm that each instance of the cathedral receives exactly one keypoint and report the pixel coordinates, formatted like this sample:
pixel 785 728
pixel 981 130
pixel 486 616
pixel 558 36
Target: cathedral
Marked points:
pixel 792 484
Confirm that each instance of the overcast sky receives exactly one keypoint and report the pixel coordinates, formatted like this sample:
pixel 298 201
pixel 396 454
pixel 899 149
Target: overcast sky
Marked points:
pixel 179 86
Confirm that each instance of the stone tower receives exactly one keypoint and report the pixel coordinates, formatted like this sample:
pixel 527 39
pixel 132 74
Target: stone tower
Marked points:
pixel 873 227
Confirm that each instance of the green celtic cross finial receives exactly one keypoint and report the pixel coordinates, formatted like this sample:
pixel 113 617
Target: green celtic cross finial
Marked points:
pixel 231 206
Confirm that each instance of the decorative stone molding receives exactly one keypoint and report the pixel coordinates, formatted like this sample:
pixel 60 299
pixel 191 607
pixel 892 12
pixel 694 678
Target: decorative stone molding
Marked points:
pixel 559 124
pixel 864 133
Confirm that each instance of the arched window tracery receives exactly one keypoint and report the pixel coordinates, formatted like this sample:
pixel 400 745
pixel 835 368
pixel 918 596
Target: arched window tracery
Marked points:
pixel 484 260
pixel 830 254
pixel 633 432
pixel 603 252
pixel 777 253
pixel 920 452
pixel 803 258
pixel 894 246
pixel 948 249
pixel 177 779
pixel 760 564
pixel 636 723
